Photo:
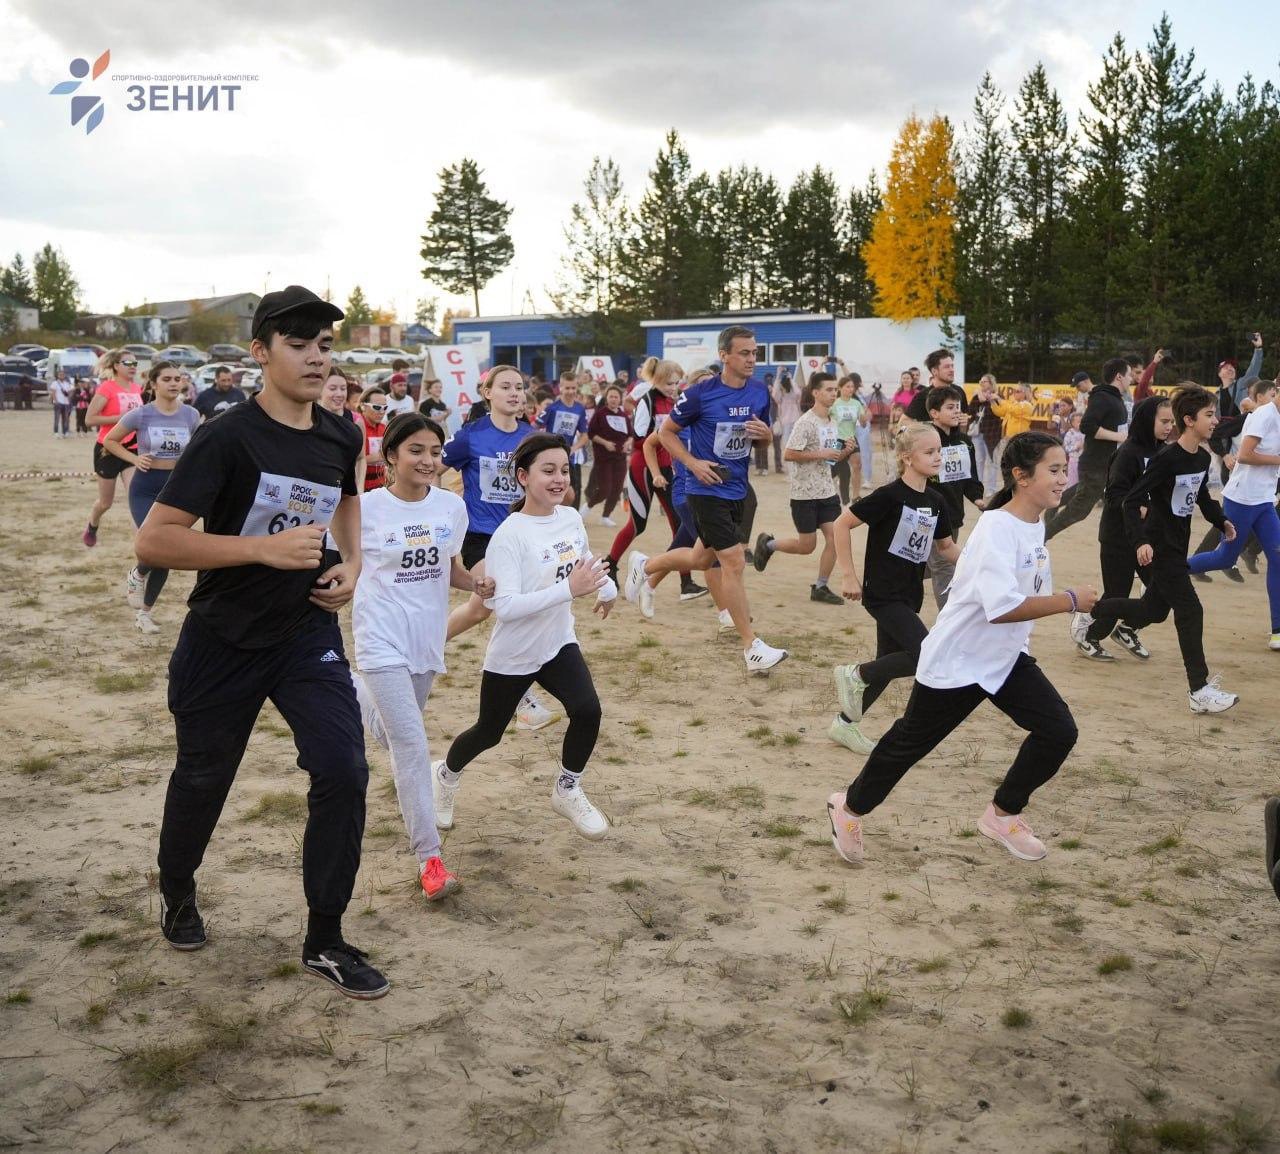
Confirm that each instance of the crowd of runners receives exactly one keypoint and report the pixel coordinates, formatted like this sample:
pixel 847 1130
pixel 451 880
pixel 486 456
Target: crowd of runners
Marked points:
pixel 317 493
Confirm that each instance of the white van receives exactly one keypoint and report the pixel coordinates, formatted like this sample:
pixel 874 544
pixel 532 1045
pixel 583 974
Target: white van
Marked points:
pixel 75 362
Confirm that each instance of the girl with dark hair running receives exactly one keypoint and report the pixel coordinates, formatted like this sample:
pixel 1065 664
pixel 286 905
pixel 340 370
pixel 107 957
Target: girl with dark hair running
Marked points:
pixel 977 651
pixel 539 562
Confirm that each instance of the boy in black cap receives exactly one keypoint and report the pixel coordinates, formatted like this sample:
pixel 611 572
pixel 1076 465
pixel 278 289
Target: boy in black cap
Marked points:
pixel 268 478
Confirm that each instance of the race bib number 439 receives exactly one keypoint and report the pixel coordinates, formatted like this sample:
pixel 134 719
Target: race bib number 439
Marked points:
pixel 497 482
pixel 286 502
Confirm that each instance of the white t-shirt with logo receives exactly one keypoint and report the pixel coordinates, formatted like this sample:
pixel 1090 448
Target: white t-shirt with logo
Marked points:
pixel 398 405
pixel 401 607
pixel 1002 564
pixel 530 559
pixel 1256 484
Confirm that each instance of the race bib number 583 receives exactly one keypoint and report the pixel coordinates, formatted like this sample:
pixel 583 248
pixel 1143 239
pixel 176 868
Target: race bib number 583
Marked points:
pixel 286 502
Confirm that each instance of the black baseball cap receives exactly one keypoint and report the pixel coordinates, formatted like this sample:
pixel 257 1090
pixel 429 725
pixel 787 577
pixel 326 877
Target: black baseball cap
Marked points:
pixel 1080 378
pixel 293 299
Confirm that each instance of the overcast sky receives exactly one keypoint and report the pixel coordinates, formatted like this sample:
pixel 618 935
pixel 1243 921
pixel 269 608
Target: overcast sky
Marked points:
pixel 325 172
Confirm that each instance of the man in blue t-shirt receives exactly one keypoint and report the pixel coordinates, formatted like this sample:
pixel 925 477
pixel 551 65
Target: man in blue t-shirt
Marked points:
pixel 566 416
pixel 723 415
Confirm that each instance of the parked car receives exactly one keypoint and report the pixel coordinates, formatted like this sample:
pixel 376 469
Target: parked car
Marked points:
pixel 377 377
pixel 386 355
pixel 231 354
pixel 142 352
pixel 357 357
pixel 31 352
pixel 75 361
pixel 188 356
pixel 203 378
pixel 249 380
pixel 12 370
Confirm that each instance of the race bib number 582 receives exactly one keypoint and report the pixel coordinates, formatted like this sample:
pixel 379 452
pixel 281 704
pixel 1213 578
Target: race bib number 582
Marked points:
pixel 286 502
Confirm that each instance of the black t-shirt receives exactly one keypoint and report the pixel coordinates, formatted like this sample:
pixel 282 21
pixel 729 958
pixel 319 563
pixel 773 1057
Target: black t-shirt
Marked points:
pixel 211 402
pixel 249 476
pixel 959 476
pixel 430 407
pixel 901 526
pixel 1105 409
pixel 1175 482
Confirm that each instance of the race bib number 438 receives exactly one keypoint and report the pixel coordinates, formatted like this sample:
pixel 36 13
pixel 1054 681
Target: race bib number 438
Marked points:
pixel 286 502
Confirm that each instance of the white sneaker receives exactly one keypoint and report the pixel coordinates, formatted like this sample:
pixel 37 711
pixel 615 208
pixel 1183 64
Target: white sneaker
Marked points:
pixel 576 806
pixel 443 796
pixel 531 715
pixel 135 586
pixel 635 575
pixel 1211 699
pixel 1079 627
pixel 608 521
pixel 145 625
pixel 646 599
pixel 761 657
pixel 1274 643
pixel 726 622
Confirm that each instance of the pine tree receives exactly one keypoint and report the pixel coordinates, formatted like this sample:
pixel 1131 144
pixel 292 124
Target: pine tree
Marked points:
pixel 982 216
pixel 813 263
pixel 858 297
pixel 355 312
pixel 466 243
pixel 56 289
pixel 1039 183
pixel 15 281
pixel 911 253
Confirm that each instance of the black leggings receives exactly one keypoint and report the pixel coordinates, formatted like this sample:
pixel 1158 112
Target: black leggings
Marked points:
pixel 1027 697
pixel 899 635
pixel 1119 566
pixel 1167 589
pixel 567 678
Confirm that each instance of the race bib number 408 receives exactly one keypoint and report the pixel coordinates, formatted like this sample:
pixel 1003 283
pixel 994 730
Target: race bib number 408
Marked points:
pixel 731 443
pixel 286 502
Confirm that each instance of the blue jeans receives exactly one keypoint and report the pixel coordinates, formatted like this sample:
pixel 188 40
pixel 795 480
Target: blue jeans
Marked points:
pixel 1261 520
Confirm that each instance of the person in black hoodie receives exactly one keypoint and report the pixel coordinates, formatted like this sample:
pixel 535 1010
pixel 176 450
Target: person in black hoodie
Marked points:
pixel 1103 423
pixel 1174 483
pixel 958 479
pixel 1148 431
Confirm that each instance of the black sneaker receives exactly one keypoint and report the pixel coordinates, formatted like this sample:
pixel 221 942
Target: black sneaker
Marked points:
pixel 1093 651
pixel 760 554
pixel 747 555
pixel 182 926
pixel 689 590
pixel 348 969
pixel 1203 578
pixel 1271 820
pixel 1234 574
pixel 1250 560
pixel 823 594
pixel 1130 640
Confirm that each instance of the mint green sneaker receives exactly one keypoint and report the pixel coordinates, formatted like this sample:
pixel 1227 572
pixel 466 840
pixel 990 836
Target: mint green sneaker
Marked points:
pixel 848 734
pixel 849 688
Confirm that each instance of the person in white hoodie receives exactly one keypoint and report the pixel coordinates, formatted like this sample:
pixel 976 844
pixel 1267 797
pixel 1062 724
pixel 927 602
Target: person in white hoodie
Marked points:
pixel 539 562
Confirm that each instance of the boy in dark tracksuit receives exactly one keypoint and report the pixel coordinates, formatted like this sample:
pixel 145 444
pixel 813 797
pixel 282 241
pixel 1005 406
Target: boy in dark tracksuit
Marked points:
pixel 959 478
pixel 1174 484
pixel 1152 420
pixel 268 479
pixel 1104 417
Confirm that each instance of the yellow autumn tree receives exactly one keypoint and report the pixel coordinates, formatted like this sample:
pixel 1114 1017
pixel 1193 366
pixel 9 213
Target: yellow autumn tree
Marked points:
pixel 910 254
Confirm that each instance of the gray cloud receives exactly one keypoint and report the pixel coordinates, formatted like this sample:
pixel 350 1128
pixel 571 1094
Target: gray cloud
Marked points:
pixel 722 65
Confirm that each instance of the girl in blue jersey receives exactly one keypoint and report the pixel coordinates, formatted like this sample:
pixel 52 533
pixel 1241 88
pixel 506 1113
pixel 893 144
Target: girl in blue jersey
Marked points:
pixel 482 451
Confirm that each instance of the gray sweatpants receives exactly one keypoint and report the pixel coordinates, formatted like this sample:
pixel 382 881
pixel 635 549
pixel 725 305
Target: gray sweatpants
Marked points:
pixel 941 572
pixel 391 702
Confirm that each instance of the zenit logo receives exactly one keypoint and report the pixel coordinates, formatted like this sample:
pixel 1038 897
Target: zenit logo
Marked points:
pixel 90 109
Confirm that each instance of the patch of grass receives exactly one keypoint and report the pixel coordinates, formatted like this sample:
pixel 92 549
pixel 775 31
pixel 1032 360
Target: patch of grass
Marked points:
pixel 932 965
pixel 790 739
pixel 1169 841
pixel 33 765
pixel 1115 964
pixel 639 729
pixel 989 943
pixel 1121 903
pixel 648 641
pixel 836 903
pixel 745 796
pixel 1070 843
pixel 95 1014
pixel 760 731
pixel 968 831
pixel 696 722
pixel 1015 1018
pixel 627 886
pixel 1187 870
pixel 711 868
pixel 283 970
pixel 890 896
pixel 707 798
pixel 17 998
pixel 1245 1132
pixel 1070 923
pixel 87 941
pixel 224 1033
pixel 279 808
pixel 160 1068
pixel 809 929
pixel 1045 885
pixel 321 1109
pixel 1182 1134
pixel 1126 1135
pixel 123 682
pixel 860 1009
pixel 779 828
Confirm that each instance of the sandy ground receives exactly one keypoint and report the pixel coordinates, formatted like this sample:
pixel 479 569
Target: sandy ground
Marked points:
pixel 708 978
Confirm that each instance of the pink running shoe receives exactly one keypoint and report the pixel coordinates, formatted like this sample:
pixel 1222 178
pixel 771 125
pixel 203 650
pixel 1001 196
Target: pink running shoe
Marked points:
pixel 846 830
pixel 1013 833
pixel 89 536
pixel 436 880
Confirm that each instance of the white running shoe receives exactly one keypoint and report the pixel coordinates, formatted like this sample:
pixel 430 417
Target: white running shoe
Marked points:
pixel 1211 698
pixel 145 625
pixel 849 688
pixel 1274 643
pixel 608 522
pixel 1079 626
pixel 443 796
pixel 531 715
pixel 760 658
pixel 646 599
pixel 576 806
pixel 135 586
pixel 635 575
pixel 726 622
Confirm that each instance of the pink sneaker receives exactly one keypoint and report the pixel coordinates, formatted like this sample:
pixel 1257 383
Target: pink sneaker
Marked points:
pixel 846 830
pixel 89 536
pixel 1013 833
pixel 436 880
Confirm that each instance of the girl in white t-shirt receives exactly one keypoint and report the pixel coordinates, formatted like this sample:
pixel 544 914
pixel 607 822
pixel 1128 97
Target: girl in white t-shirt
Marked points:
pixel 977 650
pixel 539 561
pixel 411 535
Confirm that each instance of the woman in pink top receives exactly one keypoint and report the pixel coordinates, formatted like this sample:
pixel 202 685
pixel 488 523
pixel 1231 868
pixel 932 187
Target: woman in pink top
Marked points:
pixel 118 391
pixel 905 391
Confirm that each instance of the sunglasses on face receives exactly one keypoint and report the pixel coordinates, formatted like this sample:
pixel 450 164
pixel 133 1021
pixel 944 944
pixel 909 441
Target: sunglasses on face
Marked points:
pixel 130 364
pixel 377 408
